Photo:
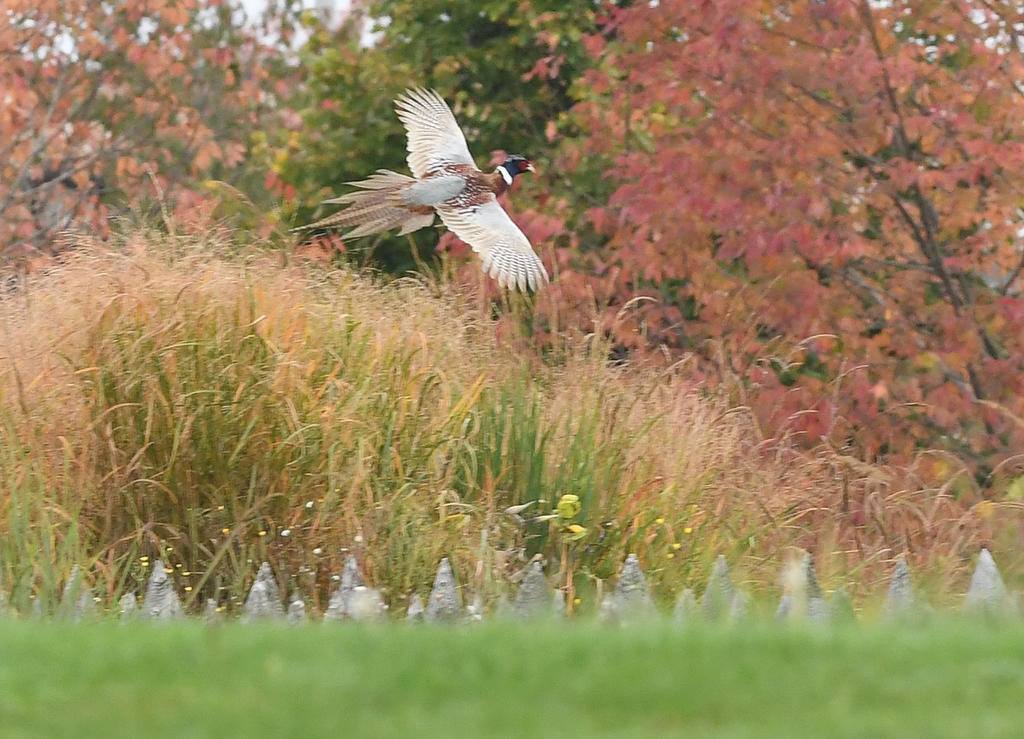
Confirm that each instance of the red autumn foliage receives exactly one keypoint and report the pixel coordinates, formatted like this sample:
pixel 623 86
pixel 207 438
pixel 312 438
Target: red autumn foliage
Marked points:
pixel 116 103
pixel 825 199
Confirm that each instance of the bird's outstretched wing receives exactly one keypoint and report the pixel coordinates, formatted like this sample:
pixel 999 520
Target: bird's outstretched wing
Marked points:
pixel 505 251
pixel 434 136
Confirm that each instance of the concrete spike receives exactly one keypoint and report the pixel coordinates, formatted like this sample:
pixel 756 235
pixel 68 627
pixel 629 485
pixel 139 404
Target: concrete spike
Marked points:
pixel 414 613
pixel 503 610
pixel 719 593
pixel 71 586
pixel 813 588
pixel 161 602
pixel 266 575
pixel 817 608
pixel 785 609
pixel 296 610
pixel 366 604
pixel 840 606
pixel 802 596
pixel 128 607
pixel 739 608
pixel 630 601
pixel 987 592
pixel 686 608
pixel 264 599
pixel 606 610
pixel 258 604
pixel 76 601
pixel 68 596
pixel 444 603
pixel 339 606
pixel 535 595
pixel 86 605
pixel 475 609
pixel 212 614
pixel 899 600
pixel 558 603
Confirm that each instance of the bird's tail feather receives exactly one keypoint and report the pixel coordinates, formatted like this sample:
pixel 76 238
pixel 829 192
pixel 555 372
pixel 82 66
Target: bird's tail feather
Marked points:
pixel 378 206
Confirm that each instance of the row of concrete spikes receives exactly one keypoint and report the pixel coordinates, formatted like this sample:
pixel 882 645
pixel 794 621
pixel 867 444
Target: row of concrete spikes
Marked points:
pixel 630 600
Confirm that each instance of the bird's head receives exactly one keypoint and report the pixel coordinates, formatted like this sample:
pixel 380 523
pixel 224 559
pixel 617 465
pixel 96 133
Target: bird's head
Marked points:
pixel 513 165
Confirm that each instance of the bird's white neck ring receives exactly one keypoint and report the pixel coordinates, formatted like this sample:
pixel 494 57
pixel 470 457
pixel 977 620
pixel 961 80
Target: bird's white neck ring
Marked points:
pixel 505 175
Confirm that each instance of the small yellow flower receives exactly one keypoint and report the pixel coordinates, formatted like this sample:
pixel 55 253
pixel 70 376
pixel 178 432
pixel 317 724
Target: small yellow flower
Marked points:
pixel 263 533
pixel 220 508
pixel 659 520
pixel 577 601
pixel 188 588
pixel 688 530
pixel 225 530
pixel 187 572
pixel 677 546
pixel 671 555
pixel 143 558
pixel 568 506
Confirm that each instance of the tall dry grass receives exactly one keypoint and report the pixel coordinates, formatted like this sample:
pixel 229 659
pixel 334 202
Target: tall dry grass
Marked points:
pixel 162 398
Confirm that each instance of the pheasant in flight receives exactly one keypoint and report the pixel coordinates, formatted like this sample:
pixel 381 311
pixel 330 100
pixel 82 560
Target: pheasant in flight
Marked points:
pixel 446 182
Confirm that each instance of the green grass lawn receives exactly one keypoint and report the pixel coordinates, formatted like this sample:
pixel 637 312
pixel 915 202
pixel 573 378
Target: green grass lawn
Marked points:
pixel 501 680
